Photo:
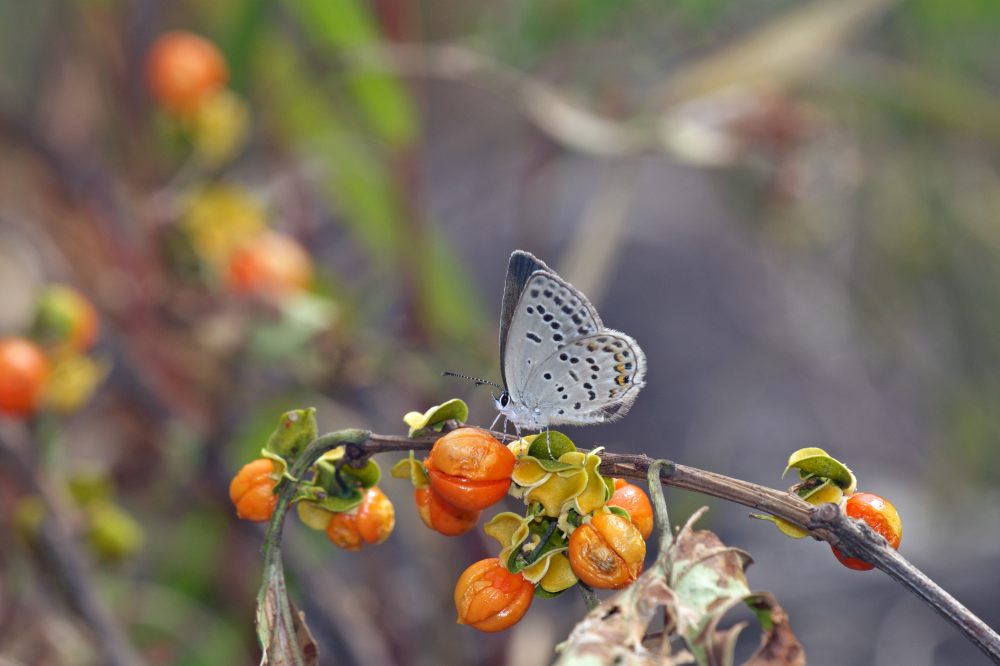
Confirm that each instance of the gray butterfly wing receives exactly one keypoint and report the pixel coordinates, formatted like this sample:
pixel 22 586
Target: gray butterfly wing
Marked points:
pixel 549 314
pixel 520 268
pixel 592 379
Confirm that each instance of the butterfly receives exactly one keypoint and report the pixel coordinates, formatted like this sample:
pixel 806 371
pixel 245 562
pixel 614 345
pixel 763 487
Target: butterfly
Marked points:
pixel 560 365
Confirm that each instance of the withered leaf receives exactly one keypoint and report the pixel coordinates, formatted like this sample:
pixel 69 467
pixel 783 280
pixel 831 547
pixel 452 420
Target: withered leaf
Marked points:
pixel 281 629
pixel 696 580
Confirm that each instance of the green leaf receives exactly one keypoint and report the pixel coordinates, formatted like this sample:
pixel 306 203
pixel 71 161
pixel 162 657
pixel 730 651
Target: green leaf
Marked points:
pixel 410 468
pixel 358 181
pixel 449 306
pixel 813 461
pixel 244 27
pixel 294 432
pixel 786 528
pixel 617 510
pixel 454 409
pixel 345 28
pixel 313 515
pixel 342 504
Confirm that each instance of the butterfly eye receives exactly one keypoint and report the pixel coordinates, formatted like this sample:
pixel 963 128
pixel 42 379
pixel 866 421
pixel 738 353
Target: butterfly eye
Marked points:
pixel 504 399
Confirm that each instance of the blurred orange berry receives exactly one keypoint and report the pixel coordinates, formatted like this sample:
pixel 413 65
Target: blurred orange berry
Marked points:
pixel 631 497
pixel 270 264
pixel 441 516
pixel 65 318
pixel 490 598
pixel 24 370
pixel 470 469
pixel 371 522
pixel 184 69
pixel 252 491
pixel 607 552
pixel 880 515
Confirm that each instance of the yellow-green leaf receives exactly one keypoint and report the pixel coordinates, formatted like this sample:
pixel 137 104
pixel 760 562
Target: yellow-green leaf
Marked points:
pixel 786 527
pixel 453 409
pixel 313 516
pixel 595 494
pixel 559 575
pixel 294 432
pixel 827 491
pixel 813 461
pixel 528 472
pixel 410 468
pixel 536 571
pixel 558 490
pixel 368 475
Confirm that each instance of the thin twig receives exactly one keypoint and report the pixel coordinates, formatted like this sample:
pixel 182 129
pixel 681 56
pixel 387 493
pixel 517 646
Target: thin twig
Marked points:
pixel 274 614
pixel 825 522
pixel 64 554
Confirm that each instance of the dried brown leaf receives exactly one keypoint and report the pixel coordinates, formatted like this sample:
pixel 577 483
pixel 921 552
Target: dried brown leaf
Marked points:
pixel 696 580
pixel 281 628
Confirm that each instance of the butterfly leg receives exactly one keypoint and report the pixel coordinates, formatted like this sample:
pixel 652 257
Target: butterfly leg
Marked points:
pixel 494 424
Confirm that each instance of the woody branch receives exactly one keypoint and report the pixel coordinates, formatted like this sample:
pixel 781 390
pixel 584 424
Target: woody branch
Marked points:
pixel 824 522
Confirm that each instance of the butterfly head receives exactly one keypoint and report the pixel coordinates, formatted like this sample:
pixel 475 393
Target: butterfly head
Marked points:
pixel 520 415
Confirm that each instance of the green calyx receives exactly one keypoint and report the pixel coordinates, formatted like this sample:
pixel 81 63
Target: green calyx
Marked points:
pixel 549 446
pixel 339 479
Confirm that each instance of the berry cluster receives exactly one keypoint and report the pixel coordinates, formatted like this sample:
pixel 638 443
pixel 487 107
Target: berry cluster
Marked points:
pixel 577 526
pixel 187 76
pixel 221 225
pixel 52 371
pixel 50 367
pixel 825 479
pixel 342 500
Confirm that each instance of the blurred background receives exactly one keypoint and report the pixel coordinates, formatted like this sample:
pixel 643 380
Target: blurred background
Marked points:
pixel 791 206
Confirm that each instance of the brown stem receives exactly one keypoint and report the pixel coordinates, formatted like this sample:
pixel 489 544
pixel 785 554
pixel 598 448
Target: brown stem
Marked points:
pixel 825 522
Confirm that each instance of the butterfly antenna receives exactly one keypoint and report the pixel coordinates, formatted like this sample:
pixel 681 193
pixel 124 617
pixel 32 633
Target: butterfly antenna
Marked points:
pixel 478 382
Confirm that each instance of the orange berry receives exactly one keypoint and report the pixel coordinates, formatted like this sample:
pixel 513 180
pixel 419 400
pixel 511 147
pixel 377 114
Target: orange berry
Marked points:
pixel 343 532
pixel 490 598
pixel 473 454
pixel 370 522
pixel 880 515
pixel 375 517
pixel 270 264
pixel 608 552
pixel 183 70
pixel 252 491
pixel 631 497
pixel 24 370
pixel 441 516
pixel 464 493
pixel 470 469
